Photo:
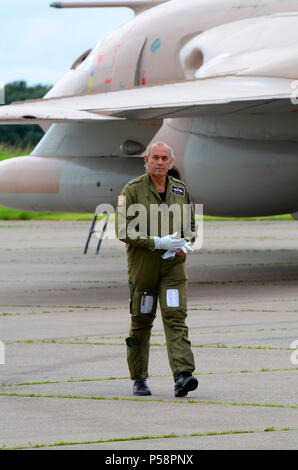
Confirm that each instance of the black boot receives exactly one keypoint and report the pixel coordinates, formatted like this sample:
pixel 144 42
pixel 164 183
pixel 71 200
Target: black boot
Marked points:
pixel 140 388
pixel 184 383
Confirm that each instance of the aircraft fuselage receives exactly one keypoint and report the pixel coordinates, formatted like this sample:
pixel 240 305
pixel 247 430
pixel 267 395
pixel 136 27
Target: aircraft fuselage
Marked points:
pixel 234 165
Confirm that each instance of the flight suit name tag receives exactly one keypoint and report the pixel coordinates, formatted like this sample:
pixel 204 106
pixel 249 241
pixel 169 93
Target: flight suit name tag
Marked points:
pixel 178 191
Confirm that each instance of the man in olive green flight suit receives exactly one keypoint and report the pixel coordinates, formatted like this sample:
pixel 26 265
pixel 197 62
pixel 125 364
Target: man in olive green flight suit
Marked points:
pixel 156 267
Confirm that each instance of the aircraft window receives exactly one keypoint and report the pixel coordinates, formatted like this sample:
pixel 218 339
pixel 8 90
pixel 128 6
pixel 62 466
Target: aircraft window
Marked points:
pixel 80 59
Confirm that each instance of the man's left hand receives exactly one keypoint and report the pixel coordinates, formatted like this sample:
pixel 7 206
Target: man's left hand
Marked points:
pixel 180 253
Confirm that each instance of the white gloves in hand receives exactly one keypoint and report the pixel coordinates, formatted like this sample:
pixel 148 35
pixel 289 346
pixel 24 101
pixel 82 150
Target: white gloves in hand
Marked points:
pixel 187 247
pixel 169 242
pixel 171 254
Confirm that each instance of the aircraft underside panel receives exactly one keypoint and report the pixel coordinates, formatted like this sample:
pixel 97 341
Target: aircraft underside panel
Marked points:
pixel 240 177
pixel 94 139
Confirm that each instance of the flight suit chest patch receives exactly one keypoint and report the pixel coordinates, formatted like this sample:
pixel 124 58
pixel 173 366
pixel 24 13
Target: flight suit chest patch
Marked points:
pixel 178 191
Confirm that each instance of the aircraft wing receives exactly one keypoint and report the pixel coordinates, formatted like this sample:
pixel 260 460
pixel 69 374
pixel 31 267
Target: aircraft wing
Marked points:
pixel 201 97
pixel 38 112
pixel 136 5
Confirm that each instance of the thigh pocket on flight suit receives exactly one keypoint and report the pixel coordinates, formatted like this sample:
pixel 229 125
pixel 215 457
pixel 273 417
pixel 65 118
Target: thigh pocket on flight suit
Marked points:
pixel 173 303
pixel 174 298
pixel 143 302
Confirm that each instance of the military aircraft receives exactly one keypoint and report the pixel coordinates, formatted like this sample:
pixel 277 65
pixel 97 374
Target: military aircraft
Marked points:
pixel 215 79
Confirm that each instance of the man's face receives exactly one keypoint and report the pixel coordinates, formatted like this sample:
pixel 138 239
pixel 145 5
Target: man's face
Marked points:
pixel 159 161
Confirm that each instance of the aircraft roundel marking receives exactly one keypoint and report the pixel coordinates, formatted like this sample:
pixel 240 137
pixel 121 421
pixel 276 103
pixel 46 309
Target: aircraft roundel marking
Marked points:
pixel 156 45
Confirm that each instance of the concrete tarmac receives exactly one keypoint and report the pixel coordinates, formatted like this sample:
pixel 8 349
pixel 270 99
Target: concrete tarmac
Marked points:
pixel 64 319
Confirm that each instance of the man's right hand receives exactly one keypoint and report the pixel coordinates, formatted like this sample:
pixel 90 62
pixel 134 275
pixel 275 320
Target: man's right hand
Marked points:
pixel 169 243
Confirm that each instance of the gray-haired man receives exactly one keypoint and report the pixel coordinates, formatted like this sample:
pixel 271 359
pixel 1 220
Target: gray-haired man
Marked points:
pixel 156 270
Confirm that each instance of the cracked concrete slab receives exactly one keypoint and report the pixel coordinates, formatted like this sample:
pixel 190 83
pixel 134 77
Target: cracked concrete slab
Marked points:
pixel 53 420
pixel 35 362
pixel 64 316
pixel 261 388
pixel 264 440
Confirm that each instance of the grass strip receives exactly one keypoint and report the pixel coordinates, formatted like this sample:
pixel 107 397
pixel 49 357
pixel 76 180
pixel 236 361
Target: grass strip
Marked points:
pixel 151 400
pixel 91 343
pixel 9 151
pixel 12 214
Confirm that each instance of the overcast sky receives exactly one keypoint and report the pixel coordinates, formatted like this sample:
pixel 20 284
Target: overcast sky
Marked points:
pixel 39 44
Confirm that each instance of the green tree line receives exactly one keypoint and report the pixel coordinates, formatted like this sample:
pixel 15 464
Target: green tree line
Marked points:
pixel 22 136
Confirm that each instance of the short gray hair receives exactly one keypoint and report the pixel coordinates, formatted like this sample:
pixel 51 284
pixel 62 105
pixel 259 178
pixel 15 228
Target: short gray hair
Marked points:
pixel 155 144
